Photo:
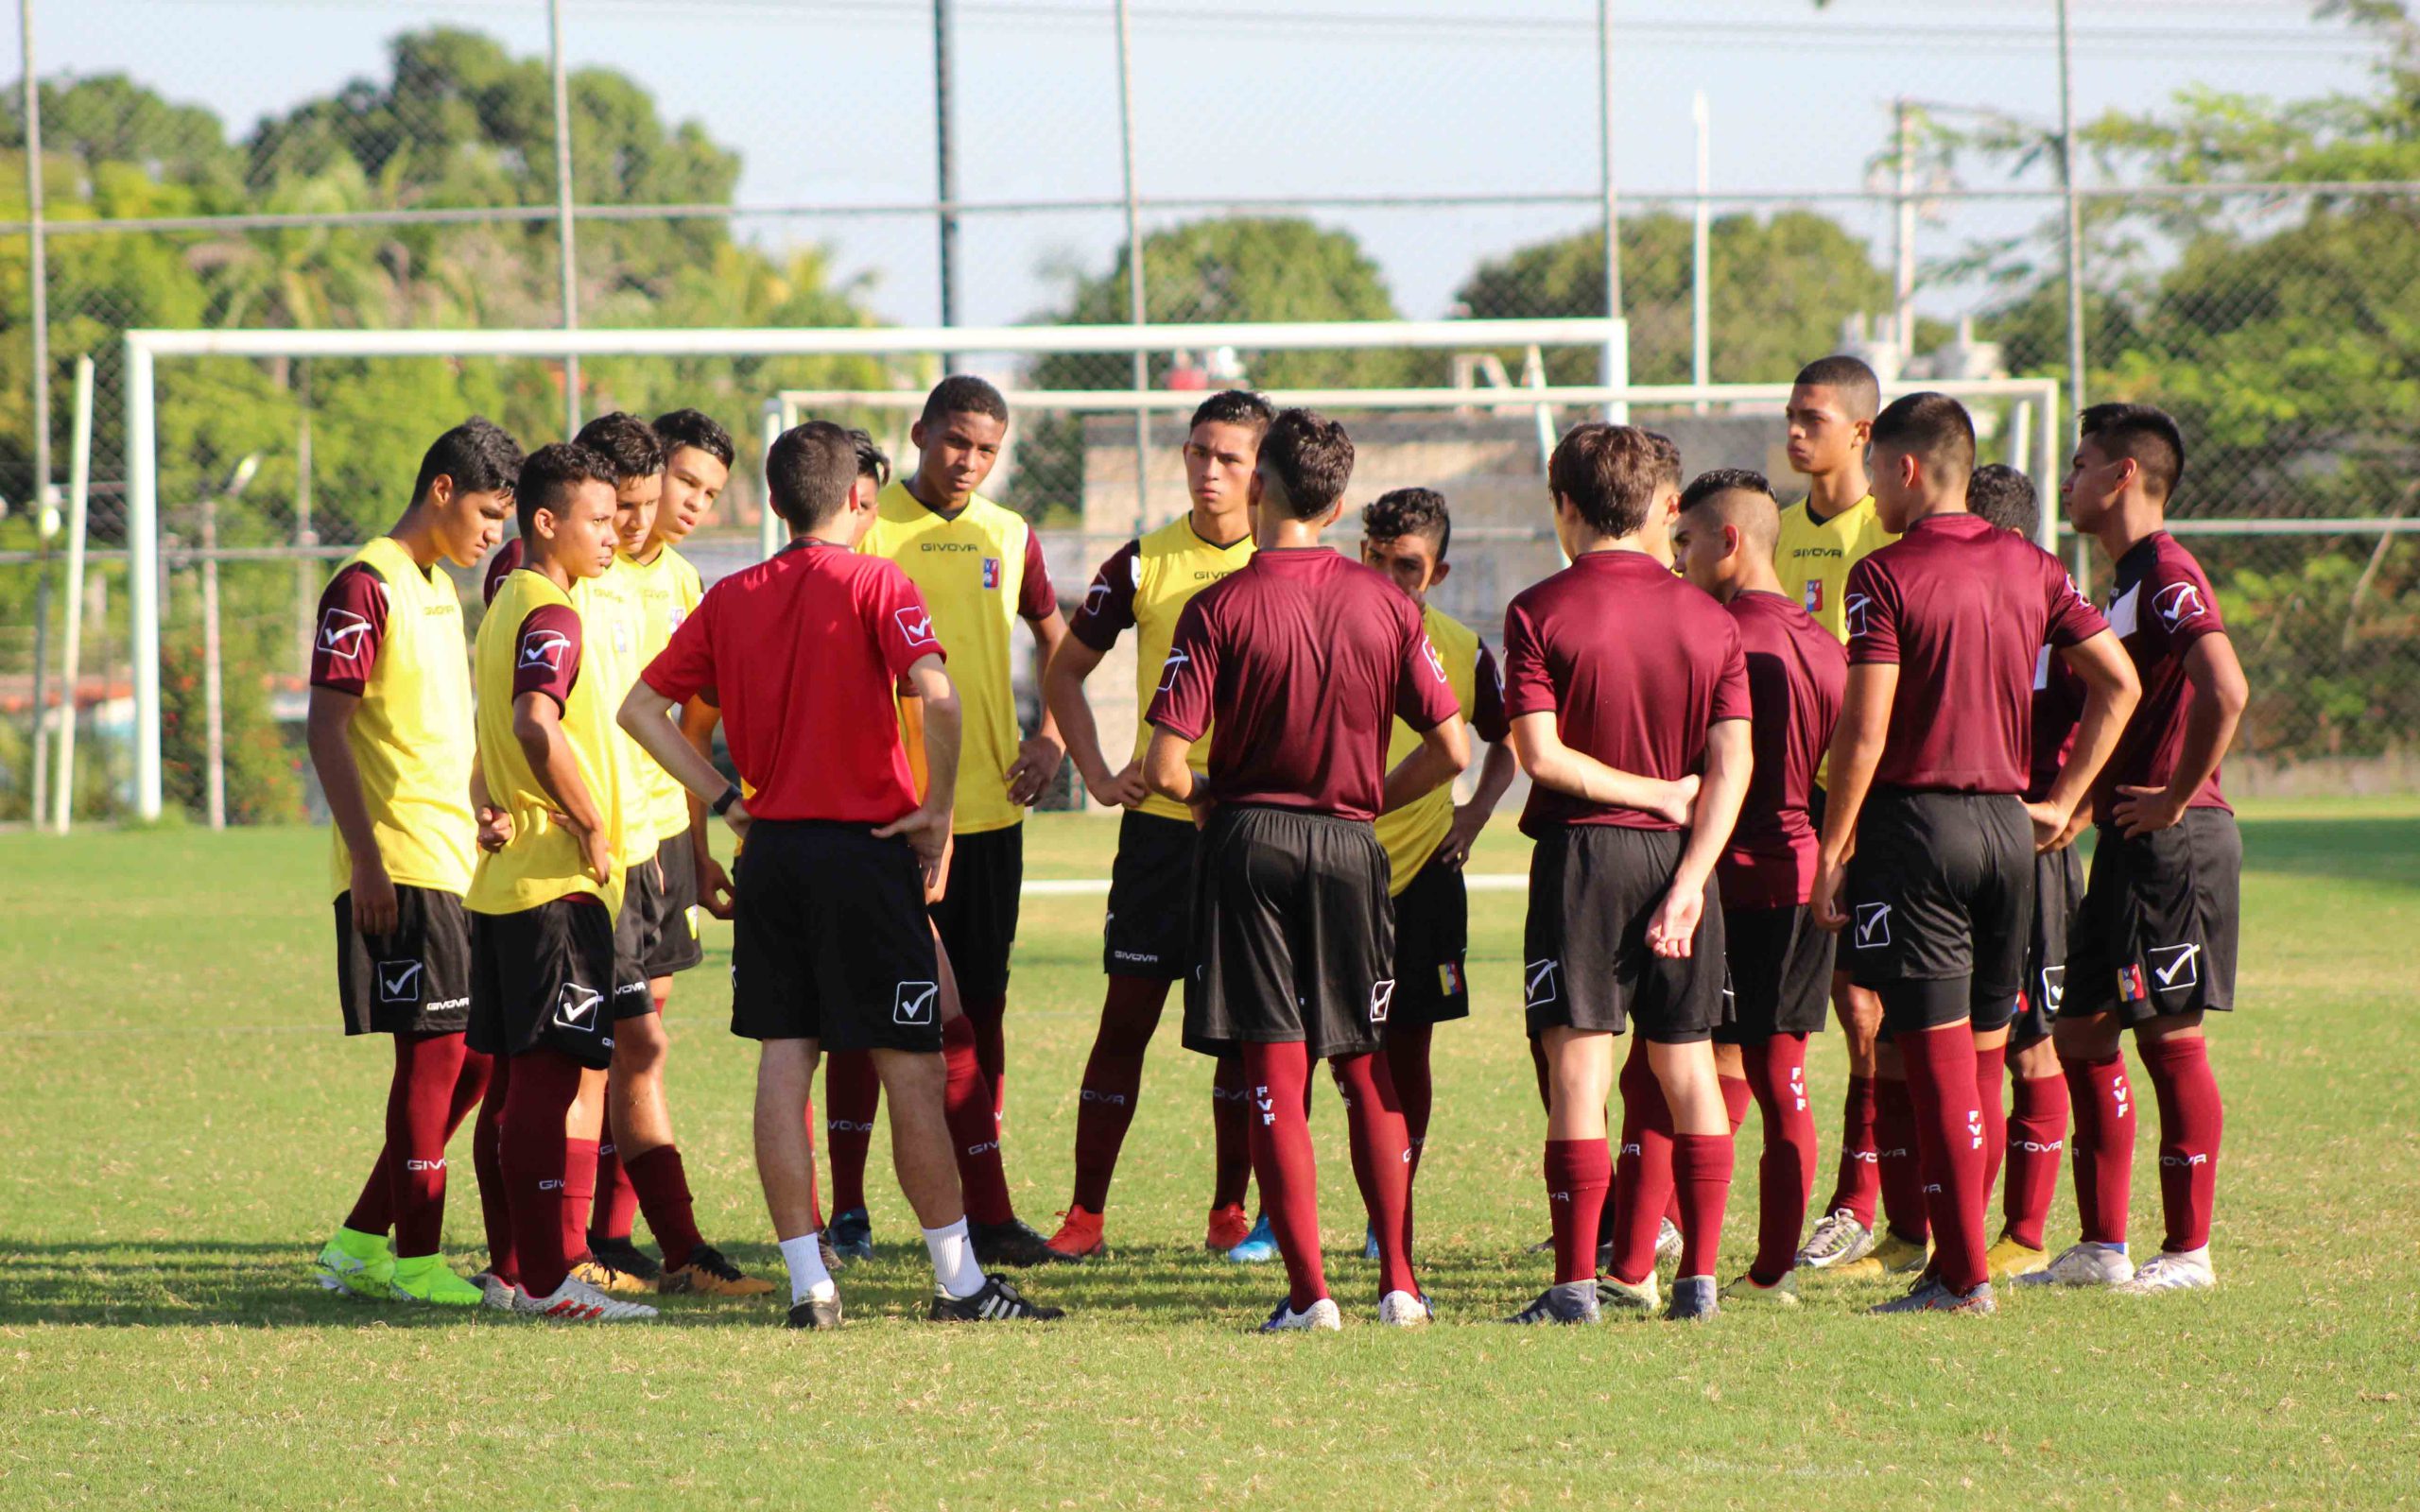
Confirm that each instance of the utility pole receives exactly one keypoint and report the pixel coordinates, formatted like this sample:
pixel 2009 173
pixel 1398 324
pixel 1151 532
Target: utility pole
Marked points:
pixel 944 87
pixel 562 214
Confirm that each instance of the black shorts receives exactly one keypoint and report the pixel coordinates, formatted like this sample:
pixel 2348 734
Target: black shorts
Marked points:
pixel 1593 890
pixel 1295 932
pixel 673 945
pixel 830 941
pixel 414 981
pixel 1940 898
pixel 1432 944
pixel 978 916
pixel 1781 973
pixel 2058 892
pixel 1148 930
pixel 545 976
pixel 633 932
pixel 2156 934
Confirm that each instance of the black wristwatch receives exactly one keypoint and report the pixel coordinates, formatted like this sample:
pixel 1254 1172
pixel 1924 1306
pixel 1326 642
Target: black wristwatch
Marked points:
pixel 730 796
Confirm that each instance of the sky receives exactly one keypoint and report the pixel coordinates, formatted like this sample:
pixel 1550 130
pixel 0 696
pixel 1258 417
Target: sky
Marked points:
pixel 830 104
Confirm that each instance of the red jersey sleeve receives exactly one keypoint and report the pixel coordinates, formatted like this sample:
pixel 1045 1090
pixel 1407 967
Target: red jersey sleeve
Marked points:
pixel 2071 620
pixel 1108 609
pixel 1487 701
pixel 1424 693
pixel 901 625
pixel 353 625
pixel 1036 598
pixel 684 669
pixel 1731 700
pixel 547 657
pixel 1528 683
pixel 2179 603
pixel 1181 706
pixel 506 557
pixel 1869 607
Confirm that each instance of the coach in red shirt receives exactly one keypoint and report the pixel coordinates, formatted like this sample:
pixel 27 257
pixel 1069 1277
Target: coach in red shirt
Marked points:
pixel 1297 665
pixel 803 655
pixel 1927 769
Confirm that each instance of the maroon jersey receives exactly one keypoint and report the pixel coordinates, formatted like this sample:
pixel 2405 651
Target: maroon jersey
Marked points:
pixel 1635 665
pixel 506 557
pixel 1963 608
pixel 1796 673
pixel 1297 664
pixel 2160 604
pixel 803 655
pixel 2057 704
pixel 547 660
pixel 353 627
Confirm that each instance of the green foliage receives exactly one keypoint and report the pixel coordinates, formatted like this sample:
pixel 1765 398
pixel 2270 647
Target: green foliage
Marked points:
pixel 263 773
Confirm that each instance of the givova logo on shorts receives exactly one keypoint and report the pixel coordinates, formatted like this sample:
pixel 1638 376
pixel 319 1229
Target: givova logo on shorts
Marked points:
pixel 915 1002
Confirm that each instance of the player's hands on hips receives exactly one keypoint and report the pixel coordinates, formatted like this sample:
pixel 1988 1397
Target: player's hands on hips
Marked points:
pixel 1037 763
pixel 495 828
pixel 375 910
pixel 738 818
pixel 715 894
pixel 1460 836
pixel 1673 930
pixel 1831 880
pixel 1680 801
pixel 2144 810
pixel 937 878
pixel 1124 791
pixel 2051 825
pixel 599 856
pixel 927 830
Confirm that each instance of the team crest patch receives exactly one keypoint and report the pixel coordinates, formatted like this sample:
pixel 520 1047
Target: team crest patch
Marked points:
pixel 2129 985
pixel 1449 979
pixel 991 571
pixel 1814 595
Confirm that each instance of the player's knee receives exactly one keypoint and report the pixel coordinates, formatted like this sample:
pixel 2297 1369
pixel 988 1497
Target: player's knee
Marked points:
pixel 640 1047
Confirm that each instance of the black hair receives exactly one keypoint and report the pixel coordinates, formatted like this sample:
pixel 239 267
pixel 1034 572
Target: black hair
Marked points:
pixel 479 455
pixel 809 472
pixel 1931 427
pixel 1401 512
pixel 1234 406
pixel 2144 432
pixel 1723 480
pixel 963 393
pixel 2002 495
pixel 1611 473
pixel 1311 458
pixel 695 427
pixel 547 478
pixel 1851 376
pixel 629 445
pixel 872 461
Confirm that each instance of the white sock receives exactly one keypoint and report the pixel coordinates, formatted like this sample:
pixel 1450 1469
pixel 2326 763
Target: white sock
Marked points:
pixel 954 1267
pixel 809 1280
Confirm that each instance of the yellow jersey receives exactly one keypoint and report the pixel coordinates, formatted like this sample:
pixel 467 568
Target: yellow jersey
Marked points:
pixel 1410 834
pixel 1813 560
pixel 666 591
pixel 612 623
pixel 544 862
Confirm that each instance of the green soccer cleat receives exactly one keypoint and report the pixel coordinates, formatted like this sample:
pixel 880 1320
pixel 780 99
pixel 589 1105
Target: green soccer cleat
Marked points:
pixel 1748 1292
pixel 358 1263
pixel 1618 1296
pixel 426 1279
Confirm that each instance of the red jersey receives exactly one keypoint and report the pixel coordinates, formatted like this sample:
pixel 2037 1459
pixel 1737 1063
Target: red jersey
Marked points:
pixel 1297 664
pixel 1963 608
pixel 1796 673
pixel 1635 665
pixel 2160 604
pixel 803 655
pixel 2058 705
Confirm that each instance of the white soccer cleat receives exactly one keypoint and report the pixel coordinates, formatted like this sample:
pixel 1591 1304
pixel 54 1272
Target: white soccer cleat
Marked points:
pixel 1838 1239
pixel 1321 1315
pixel 1667 1243
pixel 2173 1271
pixel 2090 1264
pixel 1401 1309
pixel 576 1301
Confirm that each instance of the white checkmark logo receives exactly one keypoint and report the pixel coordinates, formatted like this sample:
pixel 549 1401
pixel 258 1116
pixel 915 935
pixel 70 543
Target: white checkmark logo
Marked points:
pixel 1873 925
pixel 2181 970
pixel 1382 999
pixel 1540 982
pixel 398 981
pixel 913 1003
pixel 577 1007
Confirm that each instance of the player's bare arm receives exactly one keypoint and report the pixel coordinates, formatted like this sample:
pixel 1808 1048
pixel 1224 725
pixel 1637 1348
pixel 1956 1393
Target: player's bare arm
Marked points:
pixel 538 725
pixel 1040 753
pixel 375 910
pixel 1444 750
pixel 2111 692
pixel 1857 752
pixel 2220 694
pixel 698 721
pixel 495 824
pixel 1167 772
pixel 648 717
pixel 926 826
pixel 1063 693
pixel 1539 747
pixel 1496 771
pixel 1729 758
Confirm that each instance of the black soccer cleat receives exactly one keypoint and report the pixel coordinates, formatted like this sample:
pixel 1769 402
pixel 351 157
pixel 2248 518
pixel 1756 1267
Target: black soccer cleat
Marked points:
pixel 1571 1302
pixel 625 1256
pixel 816 1313
pixel 1011 1246
pixel 848 1235
pixel 998 1302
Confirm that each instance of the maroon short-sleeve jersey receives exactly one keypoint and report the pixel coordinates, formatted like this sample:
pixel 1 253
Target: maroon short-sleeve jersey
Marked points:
pixel 803 654
pixel 1796 672
pixel 2160 604
pixel 2057 704
pixel 1298 663
pixel 1963 608
pixel 352 628
pixel 1635 665
pixel 547 658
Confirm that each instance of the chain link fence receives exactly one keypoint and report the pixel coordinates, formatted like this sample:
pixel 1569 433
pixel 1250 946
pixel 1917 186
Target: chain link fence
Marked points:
pixel 1791 179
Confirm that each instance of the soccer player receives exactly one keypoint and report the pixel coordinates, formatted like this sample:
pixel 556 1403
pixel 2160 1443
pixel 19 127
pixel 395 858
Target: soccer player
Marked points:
pixel 1928 766
pixel 1623 683
pixel 1830 417
pixel 1146 935
pixel 391 738
pixel 1295 666
pixel 979 566
pixel 1781 962
pixel 832 944
pixel 2154 943
pixel 2035 1133
pixel 543 957
pixel 1405 534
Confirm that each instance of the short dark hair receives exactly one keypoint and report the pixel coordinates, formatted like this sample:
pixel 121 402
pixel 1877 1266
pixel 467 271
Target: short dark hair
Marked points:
pixel 629 445
pixel 479 455
pixel 1311 458
pixel 695 427
pixel 963 393
pixel 1611 473
pixel 872 461
pixel 2146 432
pixel 549 475
pixel 809 472
pixel 2003 496
pixel 1234 406
pixel 1931 427
pixel 1400 512
pixel 1851 376
pixel 1723 480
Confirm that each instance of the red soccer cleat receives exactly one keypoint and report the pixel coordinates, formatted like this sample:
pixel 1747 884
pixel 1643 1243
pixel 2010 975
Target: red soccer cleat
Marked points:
pixel 1079 1237
pixel 1230 1226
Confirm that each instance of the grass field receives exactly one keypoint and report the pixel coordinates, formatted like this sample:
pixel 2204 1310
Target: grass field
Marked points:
pixel 182 1126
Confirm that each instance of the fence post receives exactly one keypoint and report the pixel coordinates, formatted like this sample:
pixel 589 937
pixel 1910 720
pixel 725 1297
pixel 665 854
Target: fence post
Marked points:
pixel 38 284
pixel 945 161
pixel 79 489
pixel 1701 254
pixel 2075 243
pixel 143 571
pixel 562 211
pixel 1614 367
pixel 1135 265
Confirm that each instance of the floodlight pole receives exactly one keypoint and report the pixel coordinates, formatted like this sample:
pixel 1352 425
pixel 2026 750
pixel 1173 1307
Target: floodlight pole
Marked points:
pixel 563 212
pixel 1133 265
